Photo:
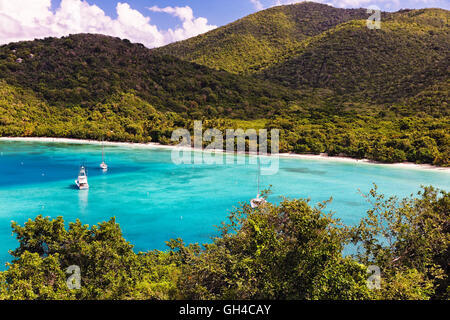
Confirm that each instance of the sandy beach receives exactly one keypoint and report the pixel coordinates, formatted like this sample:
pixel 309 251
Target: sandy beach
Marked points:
pixel 153 145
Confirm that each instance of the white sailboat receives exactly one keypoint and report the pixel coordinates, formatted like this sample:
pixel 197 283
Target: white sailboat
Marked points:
pixel 82 181
pixel 259 200
pixel 103 165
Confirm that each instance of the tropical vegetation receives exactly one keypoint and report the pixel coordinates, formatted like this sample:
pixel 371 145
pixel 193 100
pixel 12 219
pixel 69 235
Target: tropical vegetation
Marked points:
pixel 317 73
pixel 289 250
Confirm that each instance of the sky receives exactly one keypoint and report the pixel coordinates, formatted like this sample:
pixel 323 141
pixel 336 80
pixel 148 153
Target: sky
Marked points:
pixel 153 23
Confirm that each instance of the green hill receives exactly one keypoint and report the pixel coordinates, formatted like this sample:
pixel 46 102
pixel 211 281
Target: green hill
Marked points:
pixel 405 57
pixel 85 69
pixel 247 44
pixel 317 73
pixel 309 46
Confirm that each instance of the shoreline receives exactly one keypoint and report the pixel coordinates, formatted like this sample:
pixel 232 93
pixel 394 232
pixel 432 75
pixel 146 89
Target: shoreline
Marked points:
pixel 155 145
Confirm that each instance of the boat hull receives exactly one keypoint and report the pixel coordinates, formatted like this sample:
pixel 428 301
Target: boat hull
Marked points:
pixel 256 203
pixel 81 186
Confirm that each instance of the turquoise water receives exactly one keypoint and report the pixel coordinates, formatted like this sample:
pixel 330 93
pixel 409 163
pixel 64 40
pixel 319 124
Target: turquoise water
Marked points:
pixel 155 200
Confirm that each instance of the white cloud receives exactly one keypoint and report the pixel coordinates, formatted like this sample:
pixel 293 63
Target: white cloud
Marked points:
pixel 30 19
pixel 191 26
pixel 258 5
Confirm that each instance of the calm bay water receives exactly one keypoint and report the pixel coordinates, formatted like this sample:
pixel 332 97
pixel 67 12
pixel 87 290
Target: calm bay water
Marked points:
pixel 155 200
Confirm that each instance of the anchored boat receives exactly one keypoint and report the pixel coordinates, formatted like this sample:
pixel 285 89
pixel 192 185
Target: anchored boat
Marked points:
pixel 103 165
pixel 82 181
pixel 258 201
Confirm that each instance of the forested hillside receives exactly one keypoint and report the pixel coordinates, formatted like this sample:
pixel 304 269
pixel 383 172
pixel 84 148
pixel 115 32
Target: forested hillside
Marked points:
pixel 317 73
pixel 83 70
pixel 407 55
pixel 310 45
pixel 261 38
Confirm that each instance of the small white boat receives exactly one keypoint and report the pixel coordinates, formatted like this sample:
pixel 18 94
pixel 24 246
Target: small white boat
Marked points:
pixel 82 181
pixel 257 202
pixel 103 165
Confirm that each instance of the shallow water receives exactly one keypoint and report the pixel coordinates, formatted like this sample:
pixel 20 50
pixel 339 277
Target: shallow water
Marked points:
pixel 155 200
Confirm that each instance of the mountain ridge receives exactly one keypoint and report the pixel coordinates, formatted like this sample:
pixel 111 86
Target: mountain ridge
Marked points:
pixel 364 64
pixel 83 69
pixel 348 90
pixel 339 54
pixel 259 29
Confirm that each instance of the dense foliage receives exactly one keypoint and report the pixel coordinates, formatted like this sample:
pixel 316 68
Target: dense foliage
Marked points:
pixel 261 38
pixel 85 70
pixel 311 45
pixel 403 58
pixel 410 241
pixel 394 135
pixel 316 72
pixel 285 251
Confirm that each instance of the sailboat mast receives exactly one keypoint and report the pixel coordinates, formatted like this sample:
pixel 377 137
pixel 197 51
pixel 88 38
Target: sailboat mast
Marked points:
pixel 259 172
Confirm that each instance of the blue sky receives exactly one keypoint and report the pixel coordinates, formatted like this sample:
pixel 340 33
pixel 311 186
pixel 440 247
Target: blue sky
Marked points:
pixel 151 22
pixel 221 12
pixel 218 12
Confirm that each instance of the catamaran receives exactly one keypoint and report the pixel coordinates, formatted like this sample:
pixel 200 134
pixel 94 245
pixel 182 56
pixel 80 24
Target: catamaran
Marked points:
pixel 259 200
pixel 103 165
pixel 82 181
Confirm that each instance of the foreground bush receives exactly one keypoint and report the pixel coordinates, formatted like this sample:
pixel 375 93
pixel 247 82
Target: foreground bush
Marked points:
pixel 285 251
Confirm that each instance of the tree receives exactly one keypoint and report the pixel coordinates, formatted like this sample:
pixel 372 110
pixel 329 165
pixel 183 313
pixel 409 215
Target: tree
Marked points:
pixel 409 240
pixel 289 251
pixel 285 251
pixel 108 266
